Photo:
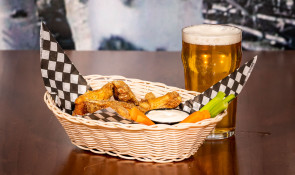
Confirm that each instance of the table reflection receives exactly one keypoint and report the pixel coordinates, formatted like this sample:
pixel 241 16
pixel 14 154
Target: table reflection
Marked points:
pixel 213 157
pixel 218 157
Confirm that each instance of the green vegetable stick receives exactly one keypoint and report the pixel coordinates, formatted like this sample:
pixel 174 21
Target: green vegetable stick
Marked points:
pixel 218 108
pixel 220 94
pixel 217 99
pixel 229 98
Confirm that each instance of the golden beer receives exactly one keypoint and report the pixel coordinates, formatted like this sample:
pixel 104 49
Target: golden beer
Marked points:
pixel 210 53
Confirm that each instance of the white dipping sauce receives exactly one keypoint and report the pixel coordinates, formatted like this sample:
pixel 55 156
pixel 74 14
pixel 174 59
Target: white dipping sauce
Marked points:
pixel 166 116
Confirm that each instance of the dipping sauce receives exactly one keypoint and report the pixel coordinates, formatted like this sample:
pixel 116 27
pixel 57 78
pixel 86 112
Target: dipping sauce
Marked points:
pixel 166 116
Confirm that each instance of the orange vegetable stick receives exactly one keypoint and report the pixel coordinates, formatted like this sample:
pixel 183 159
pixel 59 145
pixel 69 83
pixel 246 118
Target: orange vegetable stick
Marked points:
pixel 196 116
pixel 140 117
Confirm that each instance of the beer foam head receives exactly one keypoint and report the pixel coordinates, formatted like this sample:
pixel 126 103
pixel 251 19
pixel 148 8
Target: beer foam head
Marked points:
pixel 207 34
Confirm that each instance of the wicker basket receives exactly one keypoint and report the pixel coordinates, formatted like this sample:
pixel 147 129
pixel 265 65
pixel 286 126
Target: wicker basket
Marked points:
pixel 156 143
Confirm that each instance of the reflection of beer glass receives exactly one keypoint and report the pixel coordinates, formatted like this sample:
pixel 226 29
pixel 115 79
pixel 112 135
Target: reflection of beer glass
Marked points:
pixel 218 157
pixel 210 53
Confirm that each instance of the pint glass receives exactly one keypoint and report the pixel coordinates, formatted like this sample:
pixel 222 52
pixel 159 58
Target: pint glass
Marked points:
pixel 210 53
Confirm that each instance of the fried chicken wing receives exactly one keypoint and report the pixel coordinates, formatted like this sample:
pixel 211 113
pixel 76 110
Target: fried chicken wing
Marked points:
pixel 104 93
pixel 149 96
pixel 170 100
pixel 122 92
pixel 120 107
pixel 127 110
pixel 127 105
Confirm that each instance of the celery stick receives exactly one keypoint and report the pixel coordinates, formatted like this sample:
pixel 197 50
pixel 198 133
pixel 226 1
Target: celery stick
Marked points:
pixel 220 94
pixel 218 108
pixel 217 99
pixel 229 98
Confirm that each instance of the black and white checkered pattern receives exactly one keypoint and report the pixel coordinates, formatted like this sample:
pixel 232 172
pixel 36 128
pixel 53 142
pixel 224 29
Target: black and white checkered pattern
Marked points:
pixel 232 84
pixel 64 82
pixel 107 115
pixel 61 78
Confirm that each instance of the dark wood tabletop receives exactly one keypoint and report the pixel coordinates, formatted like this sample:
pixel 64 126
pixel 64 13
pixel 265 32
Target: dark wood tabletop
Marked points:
pixel 32 141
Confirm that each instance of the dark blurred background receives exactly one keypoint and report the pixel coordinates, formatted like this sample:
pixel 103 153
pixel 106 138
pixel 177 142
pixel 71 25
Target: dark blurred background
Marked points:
pixel 143 25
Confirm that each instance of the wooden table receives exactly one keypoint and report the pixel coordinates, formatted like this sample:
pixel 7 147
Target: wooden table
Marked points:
pixel 32 141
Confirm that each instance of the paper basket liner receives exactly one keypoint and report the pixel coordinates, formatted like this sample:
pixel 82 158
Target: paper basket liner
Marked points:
pixel 231 84
pixel 64 82
pixel 61 78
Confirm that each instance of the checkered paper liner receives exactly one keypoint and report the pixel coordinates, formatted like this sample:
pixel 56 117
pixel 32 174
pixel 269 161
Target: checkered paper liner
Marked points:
pixel 64 82
pixel 61 78
pixel 232 84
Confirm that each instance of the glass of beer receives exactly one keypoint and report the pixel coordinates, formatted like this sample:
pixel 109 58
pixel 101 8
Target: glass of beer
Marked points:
pixel 210 53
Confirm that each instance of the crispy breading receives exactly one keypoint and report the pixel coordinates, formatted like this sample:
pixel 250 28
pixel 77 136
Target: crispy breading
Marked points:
pixel 149 96
pixel 170 100
pixel 104 93
pixel 95 100
pixel 122 92
pixel 120 107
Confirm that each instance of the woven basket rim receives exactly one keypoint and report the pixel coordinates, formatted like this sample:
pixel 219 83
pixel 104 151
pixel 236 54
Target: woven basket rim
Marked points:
pixel 59 113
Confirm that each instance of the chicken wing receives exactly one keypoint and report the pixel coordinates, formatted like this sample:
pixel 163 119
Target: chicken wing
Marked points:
pixel 122 92
pixel 170 100
pixel 127 110
pixel 149 96
pixel 103 93
pixel 95 100
pixel 120 107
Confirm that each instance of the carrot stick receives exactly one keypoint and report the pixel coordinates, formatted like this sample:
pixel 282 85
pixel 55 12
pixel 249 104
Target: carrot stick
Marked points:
pixel 196 116
pixel 140 117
